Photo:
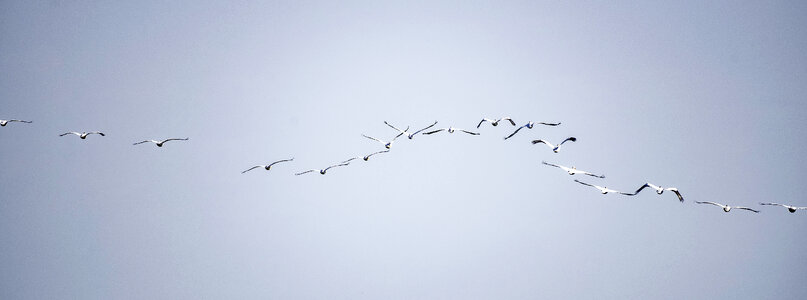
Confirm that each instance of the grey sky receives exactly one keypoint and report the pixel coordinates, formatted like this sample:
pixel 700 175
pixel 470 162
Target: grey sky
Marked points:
pixel 704 96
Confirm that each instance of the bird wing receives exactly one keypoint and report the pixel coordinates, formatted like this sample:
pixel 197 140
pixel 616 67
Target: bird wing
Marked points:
pixel 175 139
pixel 549 164
pixel 435 131
pixel 746 208
pixel 20 121
pixel 280 161
pixel 375 139
pixel 641 188
pixel 430 126
pixel 72 132
pixel 573 139
pixel 352 158
pixel 583 183
pixel 549 124
pixel 339 165
pixel 677 193
pixel 710 202
pixel 508 119
pixel 146 141
pixel 777 204
pixel 514 133
pixel 377 152
pixel 483 121
pixel 301 173
pixel 623 193
pixel 543 142
pixel 97 132
pixel 250 169
pixel 400 134
pixel 393 127
pixel 591 174
pixel 468 132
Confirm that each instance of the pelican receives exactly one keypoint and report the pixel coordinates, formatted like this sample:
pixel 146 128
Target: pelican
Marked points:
pixel 386 144
pixel 791 209
pixel 159 143
pixel 573 170
pixel 603 190
pixel 529 125
pixel 267 167
pixel 495 122
pixel 451 130
pixel 5 122
pixel 660 190
pixel 324 170
pixel 408 134
pixel 726 208
pixel 83 135
pixel 555 148
pixel 367 157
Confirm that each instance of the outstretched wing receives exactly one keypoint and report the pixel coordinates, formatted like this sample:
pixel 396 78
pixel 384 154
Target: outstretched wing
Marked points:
pixel 583 183
pixel 591 174
pixel 483 121
pixel 72 132
pixel 430 126
pixel 468 132
pixel 435 131
pixel 508 119
pixel 393 127
pixel 334 166
pixel 776 204
pixel 677 193
pixel 746 208
pixel 250 169
pixel 375 139
pixel 14 120
pixel 400 134
pixel 147 141
pixel 572 139
pixel 514 133
pixel 549 124
pixel 349 160
pixel 709 202
pixel 175 139
pixel 97 132
pixel 549 164
pixel 301 173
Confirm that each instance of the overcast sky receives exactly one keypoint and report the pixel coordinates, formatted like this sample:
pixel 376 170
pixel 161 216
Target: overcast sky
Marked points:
pixel 705 96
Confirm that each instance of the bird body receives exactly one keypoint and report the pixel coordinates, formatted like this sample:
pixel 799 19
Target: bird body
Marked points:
pixel 495 122
pixel 5 122
pixel 83 135
pixel 267 167
pixel 727 208
pixel 790 208
pixel 573 170
pixel 555 148
pixel 160 143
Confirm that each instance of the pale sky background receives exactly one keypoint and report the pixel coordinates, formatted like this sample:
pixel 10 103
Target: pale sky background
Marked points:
pixel 706 96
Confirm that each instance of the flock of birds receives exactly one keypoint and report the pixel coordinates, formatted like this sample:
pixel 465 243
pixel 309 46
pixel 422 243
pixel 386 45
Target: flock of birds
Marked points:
pixel 493 122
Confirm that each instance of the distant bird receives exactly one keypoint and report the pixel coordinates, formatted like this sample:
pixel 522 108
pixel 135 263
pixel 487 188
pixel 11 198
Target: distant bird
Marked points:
pixel 660 190
pixel 5 122
pixel 367 157
pixel 573 170
pixel 791 209
pixel 726 208
pixel 385 143
pixel 451 130
pixel 267 167
pixel 323 170
pixel 529 125
pixel 603 190
pixel 159 143
pixel 83 135
pixel 555 148
pixel 406 132
pixel 495 122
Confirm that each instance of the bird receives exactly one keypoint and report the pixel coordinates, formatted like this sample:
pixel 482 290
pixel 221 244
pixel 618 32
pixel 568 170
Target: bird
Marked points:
pixel 451 130
pixel 408 134
pixel 573 170
pixel 385 143
pixel 555 148
pixel 726 208
pixel 5 122
pixel 660 190
pixel 495 122
pixel 83 135
pixel 323 170
pixel 159 143
pixel 367 157
pixel 529 125
pixel 267 167
pixel 791 209
pixel 603 190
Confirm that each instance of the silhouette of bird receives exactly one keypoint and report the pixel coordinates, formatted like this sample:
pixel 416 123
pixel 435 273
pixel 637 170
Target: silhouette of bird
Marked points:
pixel 790 208
pixel 267 167
pixel 660 190
pixel 555 148
pixel 727 208
pixel 495 122
pixel 159 143
pixel 603 190
pixel 573 170
pixel 83 135
pixel 323 170
pixel 451 130
pixel 529 125
pixel 5 122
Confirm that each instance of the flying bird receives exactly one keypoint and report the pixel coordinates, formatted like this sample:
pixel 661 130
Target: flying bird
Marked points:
pixel 451 130
pixel 573 170
pixel 83 135
pixel 603 190
pixel 267 167
pixel 385 143
pixel 5 122
pixel 323 170
pixel 726 208
pixel 495 122
pixel 530 125
pixel 791 209
pixel 406 132
pixel 555 148
pixel 660 190
pixel 159 143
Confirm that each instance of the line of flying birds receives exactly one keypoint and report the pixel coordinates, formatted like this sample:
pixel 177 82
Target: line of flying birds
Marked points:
pixel 493 122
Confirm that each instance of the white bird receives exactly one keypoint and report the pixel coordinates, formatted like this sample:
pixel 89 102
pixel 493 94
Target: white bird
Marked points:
pixel 555 148
pixel 451 130
pixel 726 208
pixel 159 143
pixel 267 167
pixel 660 190
pixel 385 143
pixel 791 209
pixel 5 122
pixel 323 170
pixel 495 122
pixel 573 170
pixel 603 190
pixel 529 125
pixel 83 135
pixel 406 132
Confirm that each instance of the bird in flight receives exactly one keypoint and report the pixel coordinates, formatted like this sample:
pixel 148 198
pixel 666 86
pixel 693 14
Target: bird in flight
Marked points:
pixel 159 143
pixel 451 130
pixel 83 135
pixel 326 169
pixel 790 208
pixel 603 190
pixel 573 170
pixel 555 148
pixel 267 167
pixel 727 208
pixel 660 190
pixel 530 125
pixel 495 122
pixel 406 132
pixel 5 122
pixel 385 143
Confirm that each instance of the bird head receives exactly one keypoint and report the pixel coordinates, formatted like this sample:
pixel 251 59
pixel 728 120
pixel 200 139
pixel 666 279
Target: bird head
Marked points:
pixel 727 208
pixel 530 125
pixel 791 209
pixel 322 172
pixel 494 123
pixel 267 167
pixel 388 145
pixel 366 158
